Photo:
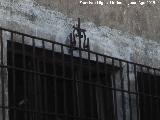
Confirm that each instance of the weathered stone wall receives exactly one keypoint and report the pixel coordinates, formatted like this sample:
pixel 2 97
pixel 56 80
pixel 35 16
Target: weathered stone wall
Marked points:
pixel 136 19
pixel 54 19
pixel 42 19
pixel 3 77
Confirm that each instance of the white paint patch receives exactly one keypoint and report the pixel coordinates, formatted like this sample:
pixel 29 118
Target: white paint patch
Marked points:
pixel 119 3
pixel 142 3
pixel 133 3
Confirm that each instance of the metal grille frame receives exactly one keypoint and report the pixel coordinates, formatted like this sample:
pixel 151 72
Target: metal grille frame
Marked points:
pixel 133 86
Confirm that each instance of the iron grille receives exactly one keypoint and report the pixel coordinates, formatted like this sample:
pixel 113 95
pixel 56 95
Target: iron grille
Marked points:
pixel 41 80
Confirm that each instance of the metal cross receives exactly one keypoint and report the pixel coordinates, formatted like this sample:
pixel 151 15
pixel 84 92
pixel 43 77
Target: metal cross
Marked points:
pixel 80 34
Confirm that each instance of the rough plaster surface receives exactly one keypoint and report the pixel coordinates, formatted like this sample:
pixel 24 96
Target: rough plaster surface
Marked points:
pixel 29 17
pixel 3 74
pixel 136 19
pixel 33 18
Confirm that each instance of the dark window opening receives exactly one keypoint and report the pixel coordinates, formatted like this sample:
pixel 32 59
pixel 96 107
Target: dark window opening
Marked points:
pixel 51 88
pixel 148 85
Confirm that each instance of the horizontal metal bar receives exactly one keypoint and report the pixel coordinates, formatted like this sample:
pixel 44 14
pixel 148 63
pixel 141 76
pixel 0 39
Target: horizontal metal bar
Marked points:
pixel 92 52
pixel 48 113
pixel 85 82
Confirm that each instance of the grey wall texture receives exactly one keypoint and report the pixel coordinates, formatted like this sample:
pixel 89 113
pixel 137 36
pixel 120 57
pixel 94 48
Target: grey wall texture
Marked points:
pixel 135 19
pixel 130 33
pixel 54 20
pixel 3 75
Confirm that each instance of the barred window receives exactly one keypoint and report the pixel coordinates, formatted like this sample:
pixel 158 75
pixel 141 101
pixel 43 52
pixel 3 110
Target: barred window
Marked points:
pixel 149 92
pixel 44 84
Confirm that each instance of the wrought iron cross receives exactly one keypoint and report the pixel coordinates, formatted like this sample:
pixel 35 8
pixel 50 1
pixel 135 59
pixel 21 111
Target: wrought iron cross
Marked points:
pixel 80 34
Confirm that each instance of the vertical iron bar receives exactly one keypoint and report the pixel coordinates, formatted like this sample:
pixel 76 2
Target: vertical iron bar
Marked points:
pixel 24 77
pixel 35 80
pixel 63 61
pixel 64 82
pixel 114 86
pixel 79 23
pixel 79 34
pixel 129 90
pixel 142 94
pixel 90 86
pixel 73 75
pixel 150 92
pixel 39 89
pixel 79 46
pixel 80 73
pixel 108 84
pixel 122 88
pixel 30 90
pixel 80 78
pixel 2 78
pixel 45 81
pixel 137 93
pixel 156 94
pixel 106 70
pixel 14 80
pixel 98 82
pixel 55 79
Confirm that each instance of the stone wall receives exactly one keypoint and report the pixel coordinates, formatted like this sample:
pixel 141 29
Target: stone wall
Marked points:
pixel 135 19
pixel 43 19
pixel 3 77
pixel 54 21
